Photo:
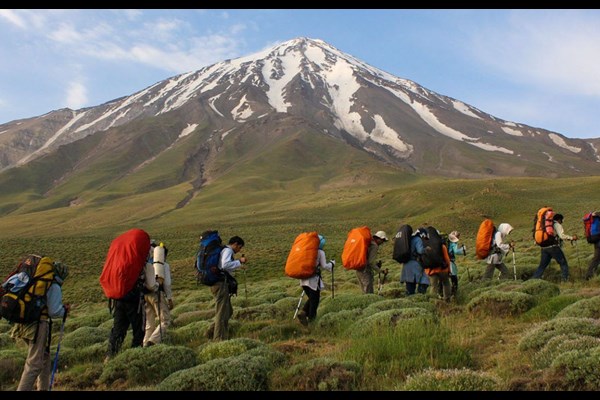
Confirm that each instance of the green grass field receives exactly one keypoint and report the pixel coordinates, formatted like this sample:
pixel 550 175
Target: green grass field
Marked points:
pixel 484 340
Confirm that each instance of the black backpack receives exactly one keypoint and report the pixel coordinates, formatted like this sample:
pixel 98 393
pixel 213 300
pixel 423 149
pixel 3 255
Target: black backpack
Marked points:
pixel 433 254
pixel 402 244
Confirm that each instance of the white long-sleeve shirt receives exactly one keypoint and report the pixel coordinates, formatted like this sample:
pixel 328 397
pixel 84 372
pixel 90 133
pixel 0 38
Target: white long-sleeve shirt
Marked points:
pixel 226 262
pixel 316 281
pixel 560 232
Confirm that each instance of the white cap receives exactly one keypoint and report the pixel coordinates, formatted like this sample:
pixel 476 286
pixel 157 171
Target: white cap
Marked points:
pixel 453 236
pixel 381 235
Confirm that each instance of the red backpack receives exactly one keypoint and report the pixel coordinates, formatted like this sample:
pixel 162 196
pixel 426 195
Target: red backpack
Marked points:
pixel 591 226
pixel 124 263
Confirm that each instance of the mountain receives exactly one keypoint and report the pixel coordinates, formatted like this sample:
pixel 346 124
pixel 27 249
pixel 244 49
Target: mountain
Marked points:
pixel 282 107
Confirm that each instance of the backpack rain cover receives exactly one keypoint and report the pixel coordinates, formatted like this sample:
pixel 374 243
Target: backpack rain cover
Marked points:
pixel 354 255
pixel 485 239
pixel 402 244
pixel 302 260
pixel 125 260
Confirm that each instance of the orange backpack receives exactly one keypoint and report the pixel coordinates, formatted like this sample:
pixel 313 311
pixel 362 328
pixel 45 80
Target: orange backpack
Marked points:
pixel 354 255
pixel 543 227
pixel 302 260
pixel 485 239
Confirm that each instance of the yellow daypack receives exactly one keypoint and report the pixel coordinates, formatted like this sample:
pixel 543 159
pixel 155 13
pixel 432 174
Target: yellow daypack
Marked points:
pixel 24 298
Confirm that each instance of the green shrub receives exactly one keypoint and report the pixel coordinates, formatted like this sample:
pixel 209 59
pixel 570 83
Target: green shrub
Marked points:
pixel 585 308
pixel 88 315
pixel 578 369
pixel 147 365
pixel 336 322
pixel 85 336
pixel 549 308
pixel 412 345
pixel 539 288
pixel 503 304
pixel 560 344
pixel 90 353
pixel 11 366
pixel 537 337
pixel 190 334
pixel 390 320
pixel 392 304
pixel 225 348
pixel 245 372
pixel 323 374
pixel 347 302
pixel 455 380
pixel 80 376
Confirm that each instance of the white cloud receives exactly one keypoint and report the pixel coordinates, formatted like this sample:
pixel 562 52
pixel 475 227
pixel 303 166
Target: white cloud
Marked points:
pixel 558 50
pixel 76 95
pixel 12 17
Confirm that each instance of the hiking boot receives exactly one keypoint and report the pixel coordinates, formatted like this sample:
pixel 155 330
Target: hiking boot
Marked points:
pixel 302 318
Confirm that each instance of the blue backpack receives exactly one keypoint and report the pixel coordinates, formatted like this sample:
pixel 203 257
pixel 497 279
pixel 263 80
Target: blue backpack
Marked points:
pixel 207 259
pixel 591 226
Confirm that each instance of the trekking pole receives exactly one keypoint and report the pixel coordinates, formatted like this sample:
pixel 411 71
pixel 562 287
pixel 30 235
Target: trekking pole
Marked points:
pixel 514 264
pixel 379 282
pixel 54 367
pixel 159 316
pixel 385 274
pixel 332 280
pixel 245 283
pixel 298 307
pixel 578 260
pixel 465 256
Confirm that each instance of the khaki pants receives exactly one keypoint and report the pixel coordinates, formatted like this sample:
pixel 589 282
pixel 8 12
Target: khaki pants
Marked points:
pixel 224 310
pixel 156 311
pixel 37 365
pixel 365 279
pixel 490 268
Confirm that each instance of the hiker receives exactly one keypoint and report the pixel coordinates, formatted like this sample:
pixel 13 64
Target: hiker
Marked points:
pixel 439 276
pixel 365 275
pixel 129 310
pixel 554 251
pixel 500 248
pixel 160 303
pixel 595 261
pixel 413 275
pixel 312 286
pixel 37 335
pixel 453 251
pixel 224 289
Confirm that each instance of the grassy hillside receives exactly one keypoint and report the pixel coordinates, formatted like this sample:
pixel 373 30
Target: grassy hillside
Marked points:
pixel 481 341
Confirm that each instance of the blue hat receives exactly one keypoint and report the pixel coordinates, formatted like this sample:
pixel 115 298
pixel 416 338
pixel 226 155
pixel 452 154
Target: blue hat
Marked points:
pixel 321 242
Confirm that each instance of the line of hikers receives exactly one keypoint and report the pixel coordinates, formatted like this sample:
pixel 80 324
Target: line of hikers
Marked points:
pixel 142 296
pixel 420 271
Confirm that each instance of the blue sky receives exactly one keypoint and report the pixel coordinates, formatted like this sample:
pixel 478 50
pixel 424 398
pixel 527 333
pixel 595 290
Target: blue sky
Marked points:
pixel 537 67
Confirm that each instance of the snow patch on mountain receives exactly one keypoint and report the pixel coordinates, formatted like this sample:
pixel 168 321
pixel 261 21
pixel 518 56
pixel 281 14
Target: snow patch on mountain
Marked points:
pixel 385 135
pixel 463 108
pixel 511 131
pixel 187 130
pixel 242 111
pixel 59 133
pixel 561 142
